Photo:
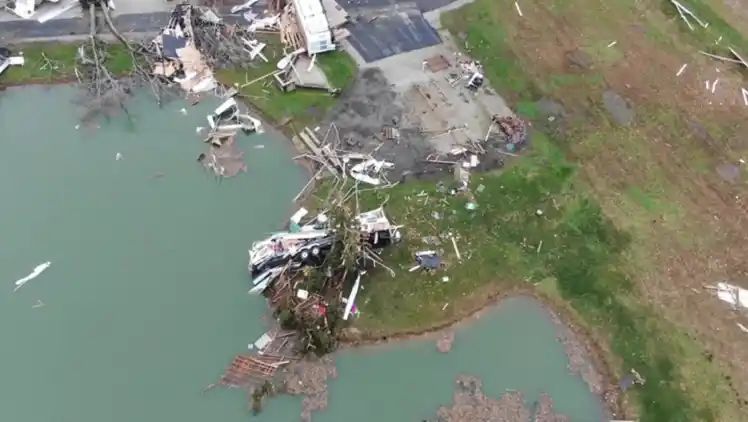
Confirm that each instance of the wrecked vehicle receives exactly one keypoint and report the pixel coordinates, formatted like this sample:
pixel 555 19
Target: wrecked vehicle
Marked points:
pixel 310 245
pixel 297 249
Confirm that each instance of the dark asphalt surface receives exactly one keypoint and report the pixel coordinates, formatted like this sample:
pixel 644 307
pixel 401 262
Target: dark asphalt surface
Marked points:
pixel 393 33
pixel 423 5
pixel 401 27
pixel 20 29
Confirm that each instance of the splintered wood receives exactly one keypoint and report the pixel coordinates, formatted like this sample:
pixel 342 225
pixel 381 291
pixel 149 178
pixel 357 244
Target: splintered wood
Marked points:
pixel 244 368
pixel 289 29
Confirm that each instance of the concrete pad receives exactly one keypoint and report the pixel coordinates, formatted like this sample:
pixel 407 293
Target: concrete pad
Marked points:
pixel 309 78
pixel 431 103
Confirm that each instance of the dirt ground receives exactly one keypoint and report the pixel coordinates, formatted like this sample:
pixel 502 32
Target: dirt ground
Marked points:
pixel 432 115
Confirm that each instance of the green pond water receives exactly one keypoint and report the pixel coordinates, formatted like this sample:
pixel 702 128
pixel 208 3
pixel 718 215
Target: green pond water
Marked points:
pixel 145 302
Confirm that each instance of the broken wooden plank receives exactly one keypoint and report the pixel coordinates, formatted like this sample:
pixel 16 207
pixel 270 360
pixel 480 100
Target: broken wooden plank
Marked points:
pixel 724 59
pixel 735 53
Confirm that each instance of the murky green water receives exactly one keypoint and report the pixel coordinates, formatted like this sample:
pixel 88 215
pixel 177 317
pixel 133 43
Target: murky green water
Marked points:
pixel 145 301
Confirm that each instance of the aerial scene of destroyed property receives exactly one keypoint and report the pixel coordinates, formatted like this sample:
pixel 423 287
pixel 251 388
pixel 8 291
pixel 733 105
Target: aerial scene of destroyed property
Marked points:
pixel 379 210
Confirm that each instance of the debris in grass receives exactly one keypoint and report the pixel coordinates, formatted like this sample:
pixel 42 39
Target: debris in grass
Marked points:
pixel 684 13
pixel 734 295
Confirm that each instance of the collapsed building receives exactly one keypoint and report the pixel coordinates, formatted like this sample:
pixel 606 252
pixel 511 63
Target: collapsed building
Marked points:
pixel 310 243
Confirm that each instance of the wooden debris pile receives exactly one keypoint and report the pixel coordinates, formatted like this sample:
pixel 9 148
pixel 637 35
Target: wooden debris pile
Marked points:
pixel 329 155
pixel 244 369
pixel 512 129
pixel 193 43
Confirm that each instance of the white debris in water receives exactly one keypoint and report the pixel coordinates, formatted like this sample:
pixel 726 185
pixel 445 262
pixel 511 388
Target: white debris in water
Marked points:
pixel 118 156
pixel 183 111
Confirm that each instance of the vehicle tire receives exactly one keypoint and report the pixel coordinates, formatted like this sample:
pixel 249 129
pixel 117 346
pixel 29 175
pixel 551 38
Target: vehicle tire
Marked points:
pixel 304 255
pixel 315 251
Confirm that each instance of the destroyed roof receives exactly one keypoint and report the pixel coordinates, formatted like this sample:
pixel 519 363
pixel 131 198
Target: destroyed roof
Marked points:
pixel 312 16
pixel 172 44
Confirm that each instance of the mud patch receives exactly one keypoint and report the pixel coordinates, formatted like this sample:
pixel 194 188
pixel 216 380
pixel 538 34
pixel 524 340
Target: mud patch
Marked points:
pixel 618 108
pixel 729 172
pixel 370 105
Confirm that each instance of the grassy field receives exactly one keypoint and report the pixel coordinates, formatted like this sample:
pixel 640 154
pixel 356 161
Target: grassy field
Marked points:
pixel 634 217
pixel 303 106
pixel 62 57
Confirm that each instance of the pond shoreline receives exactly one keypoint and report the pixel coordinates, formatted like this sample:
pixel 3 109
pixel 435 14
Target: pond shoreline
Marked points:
pixel 571 333
pixel 586 357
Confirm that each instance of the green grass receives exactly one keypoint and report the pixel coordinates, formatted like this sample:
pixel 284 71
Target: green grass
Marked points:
pixel 585 259
pixel 63 56
pixel 303 106
pixel 572 247
pixel 718 26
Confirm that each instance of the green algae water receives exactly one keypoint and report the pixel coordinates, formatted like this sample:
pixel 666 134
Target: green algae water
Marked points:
pixel 145 301
pixel 146 298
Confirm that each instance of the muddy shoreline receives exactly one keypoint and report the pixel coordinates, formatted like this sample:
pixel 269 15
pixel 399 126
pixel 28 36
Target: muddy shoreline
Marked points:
pixel 586 357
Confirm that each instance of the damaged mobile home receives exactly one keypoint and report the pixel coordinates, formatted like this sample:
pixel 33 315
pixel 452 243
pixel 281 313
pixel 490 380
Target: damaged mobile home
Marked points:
pixel 310 244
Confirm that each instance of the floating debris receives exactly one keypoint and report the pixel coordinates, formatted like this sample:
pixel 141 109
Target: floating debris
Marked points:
pixel 444 344
pixel 245 368
pixel 34 274
pixel 470 404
